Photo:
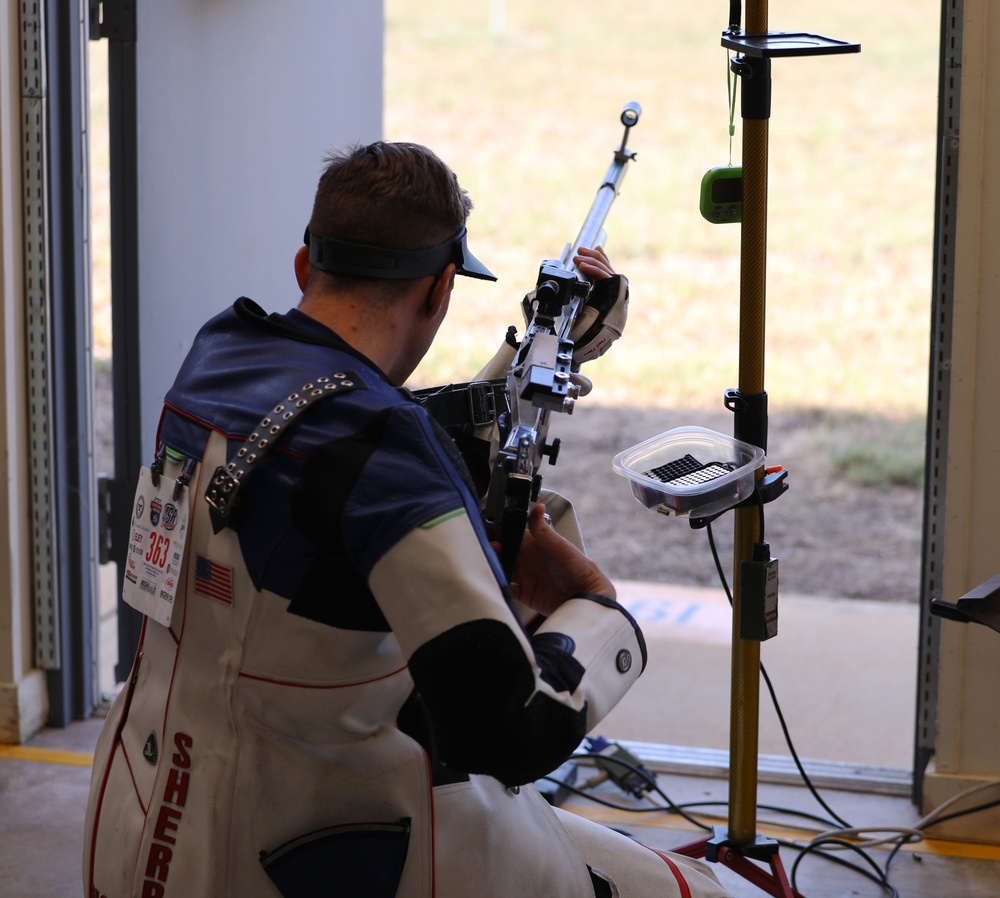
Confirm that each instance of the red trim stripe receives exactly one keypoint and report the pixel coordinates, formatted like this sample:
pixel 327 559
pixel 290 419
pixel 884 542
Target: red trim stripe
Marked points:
pixel 273 682
pixel 211 427
pixel 685 891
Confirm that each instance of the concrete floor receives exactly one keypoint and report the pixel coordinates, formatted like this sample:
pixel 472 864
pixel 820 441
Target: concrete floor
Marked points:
pixel 43 796
pixel 844 673
pixel 43 792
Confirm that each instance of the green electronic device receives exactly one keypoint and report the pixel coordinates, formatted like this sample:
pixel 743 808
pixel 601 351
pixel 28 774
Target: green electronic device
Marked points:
pixel 722 194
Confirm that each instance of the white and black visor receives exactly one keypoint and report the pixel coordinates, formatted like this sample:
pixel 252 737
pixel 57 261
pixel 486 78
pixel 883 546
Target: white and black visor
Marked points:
pixel 362 261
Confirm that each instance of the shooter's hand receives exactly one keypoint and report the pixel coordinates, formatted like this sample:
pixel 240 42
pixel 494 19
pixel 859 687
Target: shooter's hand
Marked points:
pixel 602 320
pixel 550 569
pixel 594 263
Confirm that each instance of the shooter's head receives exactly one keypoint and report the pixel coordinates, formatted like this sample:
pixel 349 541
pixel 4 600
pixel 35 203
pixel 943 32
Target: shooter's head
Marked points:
pixel 390 211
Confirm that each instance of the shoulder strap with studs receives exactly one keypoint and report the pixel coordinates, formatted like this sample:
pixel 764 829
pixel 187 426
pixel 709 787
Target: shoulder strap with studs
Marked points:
pixel 223 490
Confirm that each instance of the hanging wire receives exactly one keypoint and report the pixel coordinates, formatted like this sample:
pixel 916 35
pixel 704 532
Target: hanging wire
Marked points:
pixel 731 91
pixel 767 680
pixel 823 843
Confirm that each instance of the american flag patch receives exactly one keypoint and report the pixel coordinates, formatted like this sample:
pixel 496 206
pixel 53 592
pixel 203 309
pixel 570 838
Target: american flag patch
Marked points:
pixel 213 580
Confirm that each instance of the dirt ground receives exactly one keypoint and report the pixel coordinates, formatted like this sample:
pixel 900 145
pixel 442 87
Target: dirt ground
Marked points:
pixel 832 537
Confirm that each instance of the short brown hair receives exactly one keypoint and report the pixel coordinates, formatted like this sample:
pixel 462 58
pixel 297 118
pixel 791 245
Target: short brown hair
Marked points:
pixel 393 195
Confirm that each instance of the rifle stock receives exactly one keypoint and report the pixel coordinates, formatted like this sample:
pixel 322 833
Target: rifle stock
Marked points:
pixel 542 377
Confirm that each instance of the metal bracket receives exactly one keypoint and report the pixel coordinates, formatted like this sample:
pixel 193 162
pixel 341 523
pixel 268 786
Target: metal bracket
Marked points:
pixel 776 44
pixel 38 315
pixel 482 403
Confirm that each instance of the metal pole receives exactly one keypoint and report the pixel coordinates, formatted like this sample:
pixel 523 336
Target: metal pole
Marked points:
pixel 745 684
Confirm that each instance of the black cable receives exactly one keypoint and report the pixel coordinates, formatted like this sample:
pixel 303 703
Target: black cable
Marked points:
pixel 654 786
pixel 882 878
pixel 795 757
pixel 760 512
pixel 679 809
pixel 900 842
pixel 774 698
pixel 877 876
pixel 954 814
pixel 791 812
pixel 671 805
pixel 654 809
pixel 718 563
pixel 908 839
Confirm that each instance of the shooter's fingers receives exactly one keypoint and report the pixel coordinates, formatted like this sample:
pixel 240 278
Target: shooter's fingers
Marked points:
pixel 594 262
pixel 597 251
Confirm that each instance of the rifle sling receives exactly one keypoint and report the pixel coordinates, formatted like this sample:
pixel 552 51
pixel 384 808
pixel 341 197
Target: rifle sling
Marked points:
pixel 465 406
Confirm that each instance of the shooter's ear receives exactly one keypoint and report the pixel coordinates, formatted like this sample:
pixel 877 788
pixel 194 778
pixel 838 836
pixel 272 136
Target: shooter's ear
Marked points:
pixel 302 267
pixel 437 299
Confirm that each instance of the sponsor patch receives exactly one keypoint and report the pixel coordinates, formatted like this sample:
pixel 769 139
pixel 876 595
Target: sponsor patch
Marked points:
pixel 169 516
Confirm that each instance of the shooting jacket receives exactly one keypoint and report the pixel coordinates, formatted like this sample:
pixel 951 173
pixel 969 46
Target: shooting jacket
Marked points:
pixel 345 696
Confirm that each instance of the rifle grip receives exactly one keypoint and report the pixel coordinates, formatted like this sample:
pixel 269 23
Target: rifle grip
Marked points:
pixel 513 522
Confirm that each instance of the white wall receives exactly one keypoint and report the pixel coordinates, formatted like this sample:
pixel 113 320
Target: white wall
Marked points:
pixel 237 103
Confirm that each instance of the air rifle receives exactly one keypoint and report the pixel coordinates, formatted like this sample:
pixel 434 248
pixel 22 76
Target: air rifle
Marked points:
pixel 543 377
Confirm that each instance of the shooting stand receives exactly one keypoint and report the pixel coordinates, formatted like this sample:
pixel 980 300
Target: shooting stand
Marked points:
pixel 738 846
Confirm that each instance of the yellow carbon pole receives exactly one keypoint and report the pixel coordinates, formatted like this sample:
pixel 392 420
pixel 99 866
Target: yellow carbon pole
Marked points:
pixel 745 683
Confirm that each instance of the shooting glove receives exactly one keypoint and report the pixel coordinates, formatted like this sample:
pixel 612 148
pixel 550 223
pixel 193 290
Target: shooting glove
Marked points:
pixel 600 321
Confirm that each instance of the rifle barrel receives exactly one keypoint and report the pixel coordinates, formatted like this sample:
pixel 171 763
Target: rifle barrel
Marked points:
pixel 593 224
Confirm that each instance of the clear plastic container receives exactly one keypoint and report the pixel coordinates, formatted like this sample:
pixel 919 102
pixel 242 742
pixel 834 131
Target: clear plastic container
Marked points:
pixel 690 471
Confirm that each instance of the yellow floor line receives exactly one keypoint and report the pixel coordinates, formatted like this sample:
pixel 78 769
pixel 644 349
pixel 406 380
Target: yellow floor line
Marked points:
pixel 597 814
pixel 46 755
pixel 608 816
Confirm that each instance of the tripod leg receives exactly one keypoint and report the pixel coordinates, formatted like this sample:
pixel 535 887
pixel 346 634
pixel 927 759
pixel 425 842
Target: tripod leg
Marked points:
pixel 774 883
pixel 692 849
pixel 716 850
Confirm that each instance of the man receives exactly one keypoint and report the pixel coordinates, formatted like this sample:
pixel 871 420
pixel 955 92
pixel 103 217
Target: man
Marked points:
pixel 333 692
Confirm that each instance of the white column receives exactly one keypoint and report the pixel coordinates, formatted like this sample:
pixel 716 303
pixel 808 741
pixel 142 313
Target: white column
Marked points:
pixel 968 731
pixel 23 698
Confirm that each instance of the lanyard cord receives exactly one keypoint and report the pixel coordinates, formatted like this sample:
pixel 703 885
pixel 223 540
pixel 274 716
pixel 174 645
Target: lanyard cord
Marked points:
pixel 731 88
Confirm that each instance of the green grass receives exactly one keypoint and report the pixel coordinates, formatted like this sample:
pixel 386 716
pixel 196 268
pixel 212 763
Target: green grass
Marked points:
pixel 528 118
pixel 100 219
pixel 880 452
